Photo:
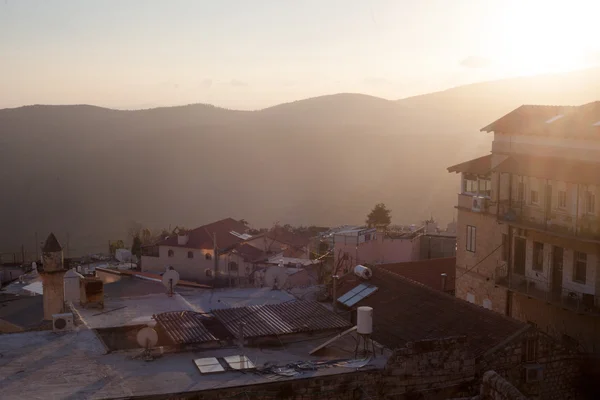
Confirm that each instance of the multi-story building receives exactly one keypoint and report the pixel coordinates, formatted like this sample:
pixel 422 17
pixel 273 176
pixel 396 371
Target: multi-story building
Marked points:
pixel 528 235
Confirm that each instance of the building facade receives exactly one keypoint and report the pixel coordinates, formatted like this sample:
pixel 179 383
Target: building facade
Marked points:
pixel 528 230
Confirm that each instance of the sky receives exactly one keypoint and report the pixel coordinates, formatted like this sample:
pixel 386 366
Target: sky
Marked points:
pixel 254 54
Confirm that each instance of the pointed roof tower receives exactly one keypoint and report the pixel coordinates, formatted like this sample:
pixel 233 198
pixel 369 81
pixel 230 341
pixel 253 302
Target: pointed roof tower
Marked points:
pixel 51 244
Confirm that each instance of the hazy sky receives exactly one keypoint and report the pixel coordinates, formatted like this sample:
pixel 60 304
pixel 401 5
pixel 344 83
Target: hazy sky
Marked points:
pixel 254 53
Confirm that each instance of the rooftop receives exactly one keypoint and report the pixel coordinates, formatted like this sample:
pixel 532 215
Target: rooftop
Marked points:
pixel 202 237
pixel 426 272
pixel 23 312
pixel 75 365
pixel 557 168
pixel 404 310
pixel 560 121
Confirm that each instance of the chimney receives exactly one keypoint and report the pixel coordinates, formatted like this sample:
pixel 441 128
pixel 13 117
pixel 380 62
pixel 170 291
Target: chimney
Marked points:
pixel 182 238
pixel 444 276
pixel 52 274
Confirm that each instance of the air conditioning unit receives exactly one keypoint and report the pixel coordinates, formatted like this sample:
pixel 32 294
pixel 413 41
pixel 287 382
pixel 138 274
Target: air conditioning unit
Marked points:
pixel 62 322
pixel 479 204
pixel 533 373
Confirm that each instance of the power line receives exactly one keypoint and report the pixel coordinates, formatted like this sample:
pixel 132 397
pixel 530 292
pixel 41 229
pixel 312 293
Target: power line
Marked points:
pixel 479 262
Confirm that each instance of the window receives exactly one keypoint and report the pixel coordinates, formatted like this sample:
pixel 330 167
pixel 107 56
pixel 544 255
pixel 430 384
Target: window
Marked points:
pixel 485 187
pixel 534 197
pixel 470 184
pixel 190 254
pixel 208 272
pixel 580 267
pixel 562 199
pixel 233 266
pixel 590 202
pixel 521 192
pixel 487 303
pixel 538 256
pixel 208 256
pixel 504 254
pixel 471 235
pixel 171 253
pixel 530 350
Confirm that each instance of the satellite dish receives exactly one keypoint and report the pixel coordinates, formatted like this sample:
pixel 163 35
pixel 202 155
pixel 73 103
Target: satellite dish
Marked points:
pixel 276 277
pixel 147 337
pixel 170 280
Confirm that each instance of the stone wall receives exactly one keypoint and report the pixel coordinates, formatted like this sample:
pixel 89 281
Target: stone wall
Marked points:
pixel 560 366
pixel 494 387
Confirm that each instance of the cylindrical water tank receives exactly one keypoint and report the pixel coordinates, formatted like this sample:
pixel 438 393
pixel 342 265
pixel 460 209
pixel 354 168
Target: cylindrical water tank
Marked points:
pixel 364 320
pixel 362 271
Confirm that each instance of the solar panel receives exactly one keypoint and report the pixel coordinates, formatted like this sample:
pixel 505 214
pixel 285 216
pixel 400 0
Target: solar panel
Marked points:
pixel 357 294
pixel 239 362
pixel 208 365
pixel 360 296
pixel 353 292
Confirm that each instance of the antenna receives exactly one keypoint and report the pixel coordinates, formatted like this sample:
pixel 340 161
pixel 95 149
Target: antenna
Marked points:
pixel 147 338
pixel 170 280
pixel 276 277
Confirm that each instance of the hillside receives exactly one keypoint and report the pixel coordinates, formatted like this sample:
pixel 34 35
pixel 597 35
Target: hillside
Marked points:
pixel 91 171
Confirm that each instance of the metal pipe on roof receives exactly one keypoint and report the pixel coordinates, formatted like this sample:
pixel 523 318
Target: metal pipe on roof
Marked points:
pixel 335 278
pixel 444 276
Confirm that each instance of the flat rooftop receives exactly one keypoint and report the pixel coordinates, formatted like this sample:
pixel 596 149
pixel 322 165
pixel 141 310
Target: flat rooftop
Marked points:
pixel 74 365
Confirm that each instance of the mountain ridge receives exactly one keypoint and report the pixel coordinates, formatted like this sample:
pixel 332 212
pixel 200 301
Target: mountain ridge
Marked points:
pixel 91 171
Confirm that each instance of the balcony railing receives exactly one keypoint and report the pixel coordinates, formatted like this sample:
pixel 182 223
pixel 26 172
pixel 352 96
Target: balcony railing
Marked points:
pixel 582 227
pixel 542 290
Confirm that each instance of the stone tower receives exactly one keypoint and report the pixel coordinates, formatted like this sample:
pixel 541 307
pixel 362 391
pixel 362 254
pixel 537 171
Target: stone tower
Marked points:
pixel 52 273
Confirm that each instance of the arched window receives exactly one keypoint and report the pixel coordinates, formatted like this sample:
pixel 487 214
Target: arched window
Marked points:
pixel 208 256
pixel 209 273
pixel 171 253
pixel 190 254
pixel 233 266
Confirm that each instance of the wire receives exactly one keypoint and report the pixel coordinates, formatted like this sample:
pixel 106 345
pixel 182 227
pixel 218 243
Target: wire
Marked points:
pixel 479 262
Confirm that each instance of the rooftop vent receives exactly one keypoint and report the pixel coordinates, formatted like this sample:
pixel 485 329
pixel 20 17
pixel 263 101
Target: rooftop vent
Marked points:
pixel 555 118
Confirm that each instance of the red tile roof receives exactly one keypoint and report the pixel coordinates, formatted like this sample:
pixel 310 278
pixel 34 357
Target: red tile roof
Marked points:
pixel 477 166
pixel 202 237
pixel 405 311
pixel 533 120
pixel 249 253
pixel 426 272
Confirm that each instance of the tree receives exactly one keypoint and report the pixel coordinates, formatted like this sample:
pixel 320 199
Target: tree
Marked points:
pixel 379 217
pixel 114 246
pixel 136 247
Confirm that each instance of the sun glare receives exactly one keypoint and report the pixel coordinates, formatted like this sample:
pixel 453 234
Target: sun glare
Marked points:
pixel 543 37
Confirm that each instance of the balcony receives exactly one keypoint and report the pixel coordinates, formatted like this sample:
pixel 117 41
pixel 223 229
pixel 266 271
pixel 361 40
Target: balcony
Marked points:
pixel 583 227
pixel 566 298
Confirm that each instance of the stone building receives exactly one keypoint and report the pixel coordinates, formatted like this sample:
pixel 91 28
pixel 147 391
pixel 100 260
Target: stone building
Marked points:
pixel 528 242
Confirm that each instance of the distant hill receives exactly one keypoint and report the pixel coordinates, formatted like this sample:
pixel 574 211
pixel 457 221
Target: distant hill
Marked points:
pixel 91 171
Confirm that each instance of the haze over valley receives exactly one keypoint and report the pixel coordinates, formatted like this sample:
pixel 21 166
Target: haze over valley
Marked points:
pixel 90 171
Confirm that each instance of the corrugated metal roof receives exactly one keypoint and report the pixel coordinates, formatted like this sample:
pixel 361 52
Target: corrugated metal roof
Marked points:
pixel 280 319
pixel 184 327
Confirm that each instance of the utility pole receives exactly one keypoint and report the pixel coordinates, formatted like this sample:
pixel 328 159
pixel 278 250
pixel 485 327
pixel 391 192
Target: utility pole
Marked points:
pixel 215 258
pixel 37 245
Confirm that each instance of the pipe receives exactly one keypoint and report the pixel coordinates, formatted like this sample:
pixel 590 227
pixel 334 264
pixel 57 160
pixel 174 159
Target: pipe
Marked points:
pixel 444 276
pixel 335 278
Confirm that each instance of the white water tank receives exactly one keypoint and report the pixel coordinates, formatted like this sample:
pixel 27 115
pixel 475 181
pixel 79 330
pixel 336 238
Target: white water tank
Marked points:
pixel 72 289
pixel 182 239
pixel 363 272
pixel 364 320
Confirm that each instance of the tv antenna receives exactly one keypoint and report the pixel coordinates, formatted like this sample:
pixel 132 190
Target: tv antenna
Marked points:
pixel 170 280
pixel 147 338
pixel 276 277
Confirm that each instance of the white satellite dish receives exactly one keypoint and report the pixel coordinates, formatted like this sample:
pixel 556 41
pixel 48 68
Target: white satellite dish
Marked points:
pixel 170 280
pixel 276 277
pixel 147 337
